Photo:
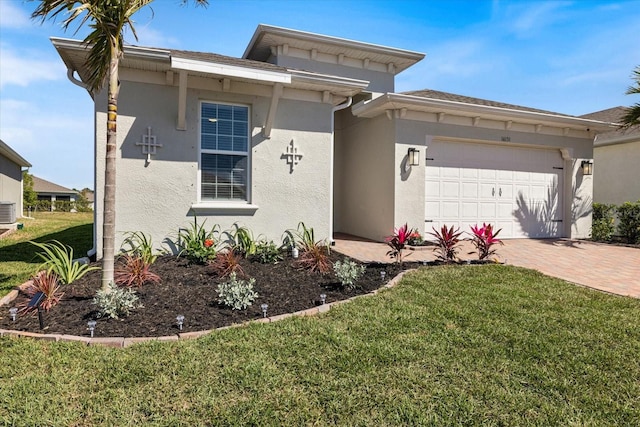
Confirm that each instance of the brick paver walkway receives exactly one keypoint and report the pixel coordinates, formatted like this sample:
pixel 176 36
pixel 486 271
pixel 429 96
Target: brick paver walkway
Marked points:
pixel 609 268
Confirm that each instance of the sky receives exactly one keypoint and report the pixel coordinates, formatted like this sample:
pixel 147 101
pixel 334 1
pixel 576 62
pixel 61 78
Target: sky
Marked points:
pixel 570 57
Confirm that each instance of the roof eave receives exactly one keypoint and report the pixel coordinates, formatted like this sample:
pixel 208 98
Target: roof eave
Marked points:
pixel 378 105
pixel 10 154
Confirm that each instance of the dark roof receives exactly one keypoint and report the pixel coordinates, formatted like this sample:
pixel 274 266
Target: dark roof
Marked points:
pixel 435 94
pixel 229 60
pixel 613 115
pixel 43 186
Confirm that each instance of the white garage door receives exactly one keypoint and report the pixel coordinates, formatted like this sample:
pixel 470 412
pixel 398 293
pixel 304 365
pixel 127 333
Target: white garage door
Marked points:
pixel 516 189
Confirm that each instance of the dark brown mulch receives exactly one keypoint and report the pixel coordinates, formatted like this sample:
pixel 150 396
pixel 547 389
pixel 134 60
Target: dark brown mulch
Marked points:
pixel 190 290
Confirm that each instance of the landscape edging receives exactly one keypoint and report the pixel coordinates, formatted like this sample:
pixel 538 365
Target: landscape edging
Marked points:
pixel 122 342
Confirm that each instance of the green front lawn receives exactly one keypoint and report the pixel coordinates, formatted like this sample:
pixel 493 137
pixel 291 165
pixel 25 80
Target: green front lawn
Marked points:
pixel 480 345
pixel 18 259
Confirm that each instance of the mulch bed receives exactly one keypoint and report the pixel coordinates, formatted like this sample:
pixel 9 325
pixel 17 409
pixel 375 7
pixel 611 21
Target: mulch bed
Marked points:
pixel 190 290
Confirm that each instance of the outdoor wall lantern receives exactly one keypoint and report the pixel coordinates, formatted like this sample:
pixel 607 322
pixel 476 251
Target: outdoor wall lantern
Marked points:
pixel 587 167
pixel 414 156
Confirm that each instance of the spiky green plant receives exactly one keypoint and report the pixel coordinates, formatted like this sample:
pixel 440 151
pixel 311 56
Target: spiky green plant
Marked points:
pixel 58 258
pixel 139 245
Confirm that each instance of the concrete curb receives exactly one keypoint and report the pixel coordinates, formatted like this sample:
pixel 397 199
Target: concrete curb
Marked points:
pixel 122 342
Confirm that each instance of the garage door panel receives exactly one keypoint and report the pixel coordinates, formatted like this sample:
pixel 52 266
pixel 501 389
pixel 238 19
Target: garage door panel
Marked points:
pixel 450 190
pixel 450 210
pixel 516 189
pixel 469 210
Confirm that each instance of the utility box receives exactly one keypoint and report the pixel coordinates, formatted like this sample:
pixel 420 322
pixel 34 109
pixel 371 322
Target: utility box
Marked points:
pixel 7 212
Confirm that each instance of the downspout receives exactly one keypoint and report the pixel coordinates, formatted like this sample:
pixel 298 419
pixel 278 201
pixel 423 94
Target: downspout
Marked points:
pixel 338 107
pixel 91 252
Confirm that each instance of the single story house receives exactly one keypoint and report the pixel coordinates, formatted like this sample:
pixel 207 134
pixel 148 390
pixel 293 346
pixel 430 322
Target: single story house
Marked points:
pixel 11 199
pixel 308 127
pixel 51 193
pixel 616 158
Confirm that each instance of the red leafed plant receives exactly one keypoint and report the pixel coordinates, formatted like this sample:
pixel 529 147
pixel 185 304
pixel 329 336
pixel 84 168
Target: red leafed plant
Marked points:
pixel 133 271
pixel 48 283
pixel 315 257
pixel 227 262
pixel 447 243
pixel 398 241
pixel 484 238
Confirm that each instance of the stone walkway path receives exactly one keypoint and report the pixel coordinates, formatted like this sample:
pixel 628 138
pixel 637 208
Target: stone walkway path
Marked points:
pixel 610 268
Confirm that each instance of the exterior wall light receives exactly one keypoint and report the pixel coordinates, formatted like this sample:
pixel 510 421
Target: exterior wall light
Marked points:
pixel 587 167
pixel 414 156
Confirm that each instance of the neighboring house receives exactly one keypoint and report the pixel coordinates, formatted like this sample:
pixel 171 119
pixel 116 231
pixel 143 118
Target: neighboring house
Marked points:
pixel 11 164
pixel 307 127
pixel 616 159
pixel 50 192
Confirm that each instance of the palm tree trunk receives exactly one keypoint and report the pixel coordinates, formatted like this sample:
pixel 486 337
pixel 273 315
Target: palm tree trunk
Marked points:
pixel 109 217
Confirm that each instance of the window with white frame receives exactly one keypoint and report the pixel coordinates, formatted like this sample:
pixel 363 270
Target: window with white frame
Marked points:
pixel 224 152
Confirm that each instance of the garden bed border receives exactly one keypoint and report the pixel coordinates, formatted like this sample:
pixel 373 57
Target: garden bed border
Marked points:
pixel 122 342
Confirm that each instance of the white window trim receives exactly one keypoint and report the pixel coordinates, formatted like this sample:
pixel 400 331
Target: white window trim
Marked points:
pixel 224 206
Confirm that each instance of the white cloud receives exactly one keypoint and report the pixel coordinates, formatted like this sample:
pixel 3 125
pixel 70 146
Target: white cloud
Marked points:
pixel 12 16
pixel 527 18
pixel 25 68
pixel 147 36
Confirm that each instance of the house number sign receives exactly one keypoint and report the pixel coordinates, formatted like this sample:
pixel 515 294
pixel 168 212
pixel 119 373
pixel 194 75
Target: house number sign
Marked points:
pixel 149 144
pixel 292 155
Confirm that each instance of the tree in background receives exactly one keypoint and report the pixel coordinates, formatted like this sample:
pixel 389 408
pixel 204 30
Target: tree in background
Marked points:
pixel 108 20
pixel 632 115
pixel 29 196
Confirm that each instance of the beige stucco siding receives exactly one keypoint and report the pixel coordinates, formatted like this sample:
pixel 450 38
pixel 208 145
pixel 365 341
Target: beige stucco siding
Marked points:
pixel 11 184
pixel 364 202
pixel 157 197
pixel 616 173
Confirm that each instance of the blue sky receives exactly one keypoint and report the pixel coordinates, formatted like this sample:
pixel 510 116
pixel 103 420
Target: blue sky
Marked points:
pixel 572 57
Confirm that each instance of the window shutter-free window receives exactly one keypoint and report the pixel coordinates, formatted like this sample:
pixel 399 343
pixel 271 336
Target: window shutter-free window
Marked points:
pixel 224 152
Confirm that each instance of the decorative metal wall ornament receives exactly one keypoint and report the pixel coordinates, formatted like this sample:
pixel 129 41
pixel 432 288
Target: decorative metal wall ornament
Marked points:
pixel 292 155
pixel 149 144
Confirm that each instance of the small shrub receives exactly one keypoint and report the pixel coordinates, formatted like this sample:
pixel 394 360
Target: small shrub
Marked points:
pixel 415 238
pixel 629 221
pixel 314 255
pixel 226 263
pixel 348 272
pixel 237 293
pixel 483 238
pixel 58 258
pixel 197 244
pixel 140 245
pixel 398 241
pixel 115 302
pixel 134 270
pixel 447 241
pixel 602 224
pixel 48 283
pixel 243 242
pixel 267 252
pixel 315 258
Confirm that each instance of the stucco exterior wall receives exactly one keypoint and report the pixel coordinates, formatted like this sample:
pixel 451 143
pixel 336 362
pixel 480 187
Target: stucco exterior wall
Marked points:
pixel 365 153
pixel 11 184
pixel 157 197
pixel 379 81
pixel 616 174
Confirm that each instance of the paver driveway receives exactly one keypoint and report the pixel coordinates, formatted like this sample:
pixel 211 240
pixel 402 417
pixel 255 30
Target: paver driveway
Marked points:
pixel 610 268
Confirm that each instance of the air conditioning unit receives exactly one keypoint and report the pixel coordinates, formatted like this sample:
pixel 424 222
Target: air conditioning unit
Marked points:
pixel 7 212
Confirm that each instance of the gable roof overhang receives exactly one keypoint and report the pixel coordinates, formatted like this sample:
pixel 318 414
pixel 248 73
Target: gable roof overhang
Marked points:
pixel 267 36
pixel 475 111
pixel 74 53
pixel 10 154
pixel 622 135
